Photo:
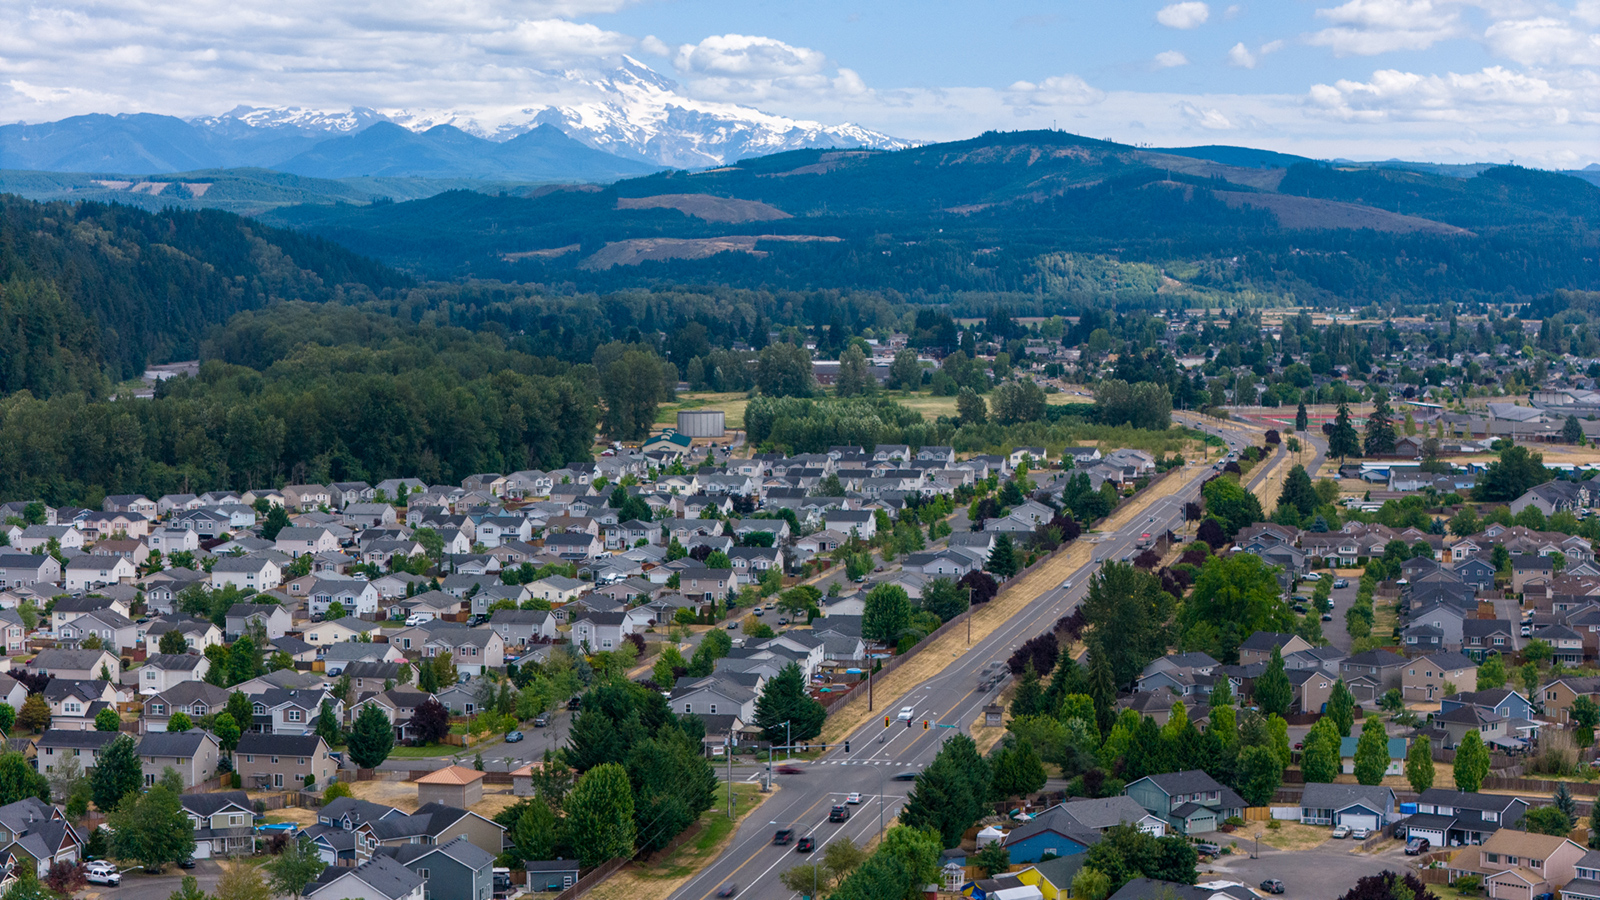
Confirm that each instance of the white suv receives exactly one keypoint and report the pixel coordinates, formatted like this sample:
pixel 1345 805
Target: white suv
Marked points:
pixel 102 872
pixel 906 712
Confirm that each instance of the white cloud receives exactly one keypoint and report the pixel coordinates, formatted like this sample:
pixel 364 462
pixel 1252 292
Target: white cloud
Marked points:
pixel 1371 27
pixel 1187 15
pixel 1059 90
pixel 1209 118
pixel 1168 59
pixel 1241 57
pixel 1543 41
pixel 654 46
pixel 1587 11
pixel 1493 97
pixel 745 56
pixel 556 41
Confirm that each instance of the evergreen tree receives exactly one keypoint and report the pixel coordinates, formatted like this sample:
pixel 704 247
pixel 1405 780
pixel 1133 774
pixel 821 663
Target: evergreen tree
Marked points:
pixel 1472 762
pixel 1298 492
pixel 1260 775
pixel 328 726
pixel 1017 771
pixel 1301 420
pixel 1380 427
pixel 1273 692
pixel 35 714
pixel 19 779
pixel 371 737
pixel 886 613
pixel 1103 692
pixel 1003 558
pixel 1419 764
pixel 1562 800
pixel 784 700
pixel 1319 760
pixel 107 720
pixel 1343 441
pixel 118 773
pixel 1029 697
pixel 1372 752
pixel 1342 708
pixel 295 866
pixel 600 809
pixel 1572 430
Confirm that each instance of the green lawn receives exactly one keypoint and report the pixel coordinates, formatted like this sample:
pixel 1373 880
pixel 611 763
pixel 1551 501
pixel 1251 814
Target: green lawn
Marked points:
pixel 431 752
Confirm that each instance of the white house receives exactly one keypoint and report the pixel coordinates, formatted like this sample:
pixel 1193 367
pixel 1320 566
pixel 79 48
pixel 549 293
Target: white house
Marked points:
pixel 163 671
pixel 255 573
pixel 88 572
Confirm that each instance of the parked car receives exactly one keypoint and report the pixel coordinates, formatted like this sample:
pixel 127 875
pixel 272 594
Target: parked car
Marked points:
pixel 1205 848
pixel 541 720
pixel 1311 576
pixel 1341 831
pixel 839 814
pixel 759 611
pixel 1416 846
pixel 783 836
pixel 806 845
pixel 513 737
pixel 187 864
pixel 1360 834
pixel 1272 886
pixel 1327 617
pixel 1341 583
pixel 101 872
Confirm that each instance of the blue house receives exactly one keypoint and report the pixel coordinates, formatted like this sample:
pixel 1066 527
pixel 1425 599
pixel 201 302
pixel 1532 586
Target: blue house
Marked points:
pixel 1051 832
pixel 457 870
pixel 1502 702
pixel 1192 802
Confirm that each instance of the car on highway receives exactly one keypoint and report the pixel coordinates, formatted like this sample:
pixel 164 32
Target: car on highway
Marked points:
pixel 906 712
pixel 791 770
pixel 852 798
pixel 1341 831
pixel 728 890
pixel 805 845
pixel 1065 585
pixel 905 776
pixel 101 872
pixel 541 720
pixel 513 737
pixel 839 814
pixel 1272 886
pixel 783 836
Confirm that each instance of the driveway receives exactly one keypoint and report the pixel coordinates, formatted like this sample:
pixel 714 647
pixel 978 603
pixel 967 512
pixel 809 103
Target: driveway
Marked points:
pixel 1343 598
pixel 1327 870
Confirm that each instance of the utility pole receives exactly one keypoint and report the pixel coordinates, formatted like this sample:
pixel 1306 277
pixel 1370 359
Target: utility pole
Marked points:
pixel 728 750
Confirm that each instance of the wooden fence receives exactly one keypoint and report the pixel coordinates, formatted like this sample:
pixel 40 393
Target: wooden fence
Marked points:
pixel 587 883
pixel 1539 786
pixel 1257 813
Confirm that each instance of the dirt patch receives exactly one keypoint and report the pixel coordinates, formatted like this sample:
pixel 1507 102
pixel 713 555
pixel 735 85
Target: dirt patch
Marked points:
pixel 1266 179
pixel 1310 213
pixel 639 250
pixel 1287 836
pixel 304 818
pixel 707 207
pixel 551 253
pixel 401 795
pixel 496 798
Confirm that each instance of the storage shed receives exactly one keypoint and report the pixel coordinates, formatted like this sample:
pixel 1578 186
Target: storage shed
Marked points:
pixel 453 786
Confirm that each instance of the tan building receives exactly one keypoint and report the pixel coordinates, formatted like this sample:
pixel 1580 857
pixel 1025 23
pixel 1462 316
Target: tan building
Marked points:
pixel 283 761
pixel 1519 865
pixel 1428 679
pixel 455 786
pixel 1559 694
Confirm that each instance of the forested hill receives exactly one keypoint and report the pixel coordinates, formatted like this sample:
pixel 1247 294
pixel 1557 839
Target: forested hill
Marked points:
pixel 1035 214
pixel 91 293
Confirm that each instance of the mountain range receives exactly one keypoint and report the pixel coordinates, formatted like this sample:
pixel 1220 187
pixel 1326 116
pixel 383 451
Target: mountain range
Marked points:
pixel 636 122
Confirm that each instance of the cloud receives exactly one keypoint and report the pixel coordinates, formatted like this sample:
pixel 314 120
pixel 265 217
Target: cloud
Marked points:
pixel 1209 118
pixel 1543 42
pixel 1495 96
pixel 1059 90
pixel 654 46
pixel 556 41
pixel 1371 27
pixel 1168 59
pixel 1184 16
pixel 744 56
pixel 1241 57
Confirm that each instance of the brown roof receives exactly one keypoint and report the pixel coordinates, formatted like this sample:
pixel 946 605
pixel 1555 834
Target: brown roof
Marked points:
pixel 1523 843
pixel 451 775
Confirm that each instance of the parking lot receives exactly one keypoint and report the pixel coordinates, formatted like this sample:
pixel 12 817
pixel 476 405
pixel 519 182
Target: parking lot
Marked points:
pixel 1323 871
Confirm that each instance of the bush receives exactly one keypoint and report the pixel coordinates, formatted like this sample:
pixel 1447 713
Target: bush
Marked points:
pixel 1235 821
pixel 1468 884
pixel 335 791
pixel 1274 824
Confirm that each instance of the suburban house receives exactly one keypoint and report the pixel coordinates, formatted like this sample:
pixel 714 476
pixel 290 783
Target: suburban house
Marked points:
pixel 222 823
pixel 192 754
pixel 245 572
pixel 1106 812
pixel 35 833
pixel 1430 678
pixel 273 616
pixel 457 870
pixel 87 572
pixel 1371 674
pixel 1052 832
pixel 56 744
pixel 1519 865
pixel 192 698
pixel 164 671
pixel 78 665
pixel 601 630
pixel 1355 805
pixel 379 878
pixel 1456 818
pixel 1258 647
pixel 282 760
pixel 1191 802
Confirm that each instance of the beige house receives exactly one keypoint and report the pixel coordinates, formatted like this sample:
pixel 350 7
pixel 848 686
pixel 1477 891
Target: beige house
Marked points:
pixel 278 761
pixel 77 665
pixel 1427 679
pixel 455 786
pixel 319 634
pixel 192 754
pixel 1519 865
pixel 1559 694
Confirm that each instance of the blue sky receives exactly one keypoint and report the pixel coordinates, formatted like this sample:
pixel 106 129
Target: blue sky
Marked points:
pixel 1444 80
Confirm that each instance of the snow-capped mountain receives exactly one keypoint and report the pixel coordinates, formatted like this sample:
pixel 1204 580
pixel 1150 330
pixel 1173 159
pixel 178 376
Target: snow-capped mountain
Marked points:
pixel 634 112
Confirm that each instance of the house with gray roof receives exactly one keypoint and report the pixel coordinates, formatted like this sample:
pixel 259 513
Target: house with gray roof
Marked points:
pixel 454 870
pixel 379 878
pixel 192 754
pixel 1356 805
pixel 35 833
pixel 1191 802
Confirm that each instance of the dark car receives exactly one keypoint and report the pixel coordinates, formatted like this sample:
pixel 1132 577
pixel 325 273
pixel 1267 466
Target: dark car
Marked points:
pixel 728 890
pixel 905 776
pixel 839 814
pixel 806 845
pixel 541 720
pixel 574 703
pixel 1272 886
pixel 783 836
pixel 1417 845
pixel 186 864
pixel 791 770
pixel 513 736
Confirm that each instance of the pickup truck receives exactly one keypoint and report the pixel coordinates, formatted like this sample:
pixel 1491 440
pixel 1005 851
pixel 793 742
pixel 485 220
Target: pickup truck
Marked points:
pixel 783 836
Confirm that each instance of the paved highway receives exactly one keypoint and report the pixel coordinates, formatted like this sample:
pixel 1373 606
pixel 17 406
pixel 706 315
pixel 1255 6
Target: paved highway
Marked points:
pixel 950 701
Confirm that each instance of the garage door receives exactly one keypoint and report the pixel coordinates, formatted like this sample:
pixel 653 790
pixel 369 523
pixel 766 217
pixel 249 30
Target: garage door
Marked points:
pixel 202 850
pixel 1359 821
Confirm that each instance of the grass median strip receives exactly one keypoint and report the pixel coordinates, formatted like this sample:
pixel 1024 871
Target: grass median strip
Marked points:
pixel 933 659
pixel 658 880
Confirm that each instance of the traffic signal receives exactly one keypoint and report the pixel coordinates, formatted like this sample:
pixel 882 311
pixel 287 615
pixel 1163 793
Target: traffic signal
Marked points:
pixel 886 721
pixel 847 746
pixel 924 724
pixel 908 723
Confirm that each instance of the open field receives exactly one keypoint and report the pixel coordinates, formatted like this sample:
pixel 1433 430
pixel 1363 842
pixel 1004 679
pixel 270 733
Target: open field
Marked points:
pixel 1287 836
pixel 731 404
pixel 657 880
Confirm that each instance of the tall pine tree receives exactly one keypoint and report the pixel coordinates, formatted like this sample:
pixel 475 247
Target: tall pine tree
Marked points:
pixel 1343 441
pixel 1380 427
